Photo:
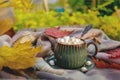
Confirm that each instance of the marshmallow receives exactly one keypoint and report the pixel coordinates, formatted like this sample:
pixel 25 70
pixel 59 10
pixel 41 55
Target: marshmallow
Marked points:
pixel 69 40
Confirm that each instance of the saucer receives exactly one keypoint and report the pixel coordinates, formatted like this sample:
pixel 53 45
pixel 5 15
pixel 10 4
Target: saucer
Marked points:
pixel 51 60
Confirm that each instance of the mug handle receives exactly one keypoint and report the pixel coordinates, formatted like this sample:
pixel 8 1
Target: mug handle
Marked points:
pixel 90 51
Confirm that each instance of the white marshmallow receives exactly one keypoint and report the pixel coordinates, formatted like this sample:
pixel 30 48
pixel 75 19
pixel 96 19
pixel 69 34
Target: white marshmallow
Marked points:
pixel 75 43
pixel 59 39
pixel 67 37
pixel 77 40
pixel 62 40
pixel 73 39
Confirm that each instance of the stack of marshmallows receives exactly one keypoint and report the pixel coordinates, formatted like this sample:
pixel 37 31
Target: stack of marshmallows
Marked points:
pixel 70 40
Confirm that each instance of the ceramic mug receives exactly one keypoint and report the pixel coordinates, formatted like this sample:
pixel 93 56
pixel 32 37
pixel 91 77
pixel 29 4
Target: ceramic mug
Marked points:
pixel 74 56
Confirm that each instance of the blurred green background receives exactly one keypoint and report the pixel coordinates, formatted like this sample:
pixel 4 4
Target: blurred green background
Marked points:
pixel 103 14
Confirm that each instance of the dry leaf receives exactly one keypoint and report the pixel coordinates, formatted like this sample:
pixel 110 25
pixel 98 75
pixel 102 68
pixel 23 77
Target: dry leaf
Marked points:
pixel 20 56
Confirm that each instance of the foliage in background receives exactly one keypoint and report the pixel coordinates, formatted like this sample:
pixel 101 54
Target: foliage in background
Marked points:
pixel 24 5
pixel 38 19
pixel 28 17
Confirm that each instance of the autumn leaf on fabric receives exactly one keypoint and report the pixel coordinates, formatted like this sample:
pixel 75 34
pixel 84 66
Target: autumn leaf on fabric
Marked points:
pixel 20 56
pixel 57 33
pixel 105 64
pixel 115 54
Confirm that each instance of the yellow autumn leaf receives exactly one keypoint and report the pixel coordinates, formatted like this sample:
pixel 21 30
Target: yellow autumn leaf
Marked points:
pixel 20 56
